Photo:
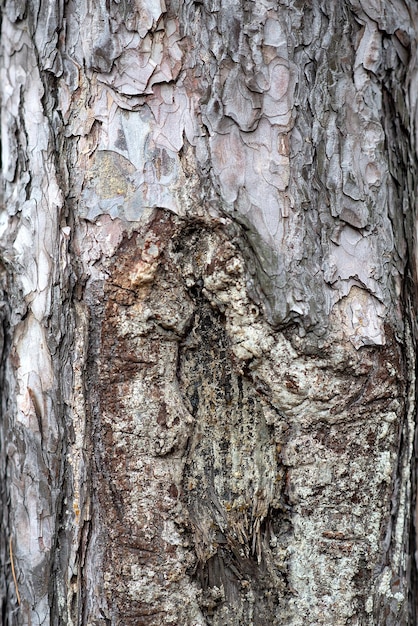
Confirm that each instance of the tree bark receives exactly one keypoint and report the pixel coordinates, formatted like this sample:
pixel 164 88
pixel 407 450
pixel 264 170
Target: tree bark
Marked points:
pixel 208 311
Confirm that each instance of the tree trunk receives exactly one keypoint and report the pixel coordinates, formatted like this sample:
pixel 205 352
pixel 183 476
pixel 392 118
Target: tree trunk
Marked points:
pixel 209 304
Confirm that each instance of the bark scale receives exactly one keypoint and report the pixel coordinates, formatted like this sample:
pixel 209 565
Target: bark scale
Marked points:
pixel 208 271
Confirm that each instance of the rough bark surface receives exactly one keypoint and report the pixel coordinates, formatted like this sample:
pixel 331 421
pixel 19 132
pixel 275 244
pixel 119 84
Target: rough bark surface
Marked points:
pixel 208 271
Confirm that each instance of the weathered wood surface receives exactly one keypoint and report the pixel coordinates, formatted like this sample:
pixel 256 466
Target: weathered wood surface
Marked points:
pixel 208 270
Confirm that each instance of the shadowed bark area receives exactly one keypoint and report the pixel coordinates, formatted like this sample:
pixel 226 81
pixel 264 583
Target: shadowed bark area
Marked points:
pixel 208 276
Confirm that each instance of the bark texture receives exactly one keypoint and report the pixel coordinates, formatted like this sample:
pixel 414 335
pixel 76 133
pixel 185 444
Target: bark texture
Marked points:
pixel 209 300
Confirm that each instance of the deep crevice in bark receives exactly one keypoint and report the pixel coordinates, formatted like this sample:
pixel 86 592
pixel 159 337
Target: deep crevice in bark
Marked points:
pixel 8 595
pixel 235 516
